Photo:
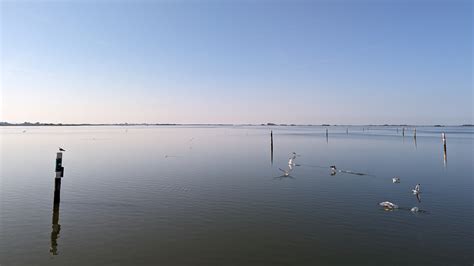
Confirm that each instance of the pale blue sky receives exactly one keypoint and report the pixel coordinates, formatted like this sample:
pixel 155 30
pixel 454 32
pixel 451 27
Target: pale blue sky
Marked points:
pixel 353 62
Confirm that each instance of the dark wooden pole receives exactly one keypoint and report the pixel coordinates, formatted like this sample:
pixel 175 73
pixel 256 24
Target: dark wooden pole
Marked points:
pixel 445 156
pixel 56 227
pixel 271 146
pixel 59 175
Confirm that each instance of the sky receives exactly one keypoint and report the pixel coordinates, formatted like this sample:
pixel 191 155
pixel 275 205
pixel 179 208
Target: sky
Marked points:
pixel 304 62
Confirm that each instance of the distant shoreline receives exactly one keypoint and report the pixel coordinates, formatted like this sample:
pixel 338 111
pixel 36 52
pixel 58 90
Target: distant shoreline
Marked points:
pixel 173 124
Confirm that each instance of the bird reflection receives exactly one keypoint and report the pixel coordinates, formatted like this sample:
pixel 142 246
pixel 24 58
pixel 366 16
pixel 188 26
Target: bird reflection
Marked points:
pixel 418 197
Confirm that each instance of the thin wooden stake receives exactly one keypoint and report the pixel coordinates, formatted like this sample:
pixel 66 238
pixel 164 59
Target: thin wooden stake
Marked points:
pixel 271 146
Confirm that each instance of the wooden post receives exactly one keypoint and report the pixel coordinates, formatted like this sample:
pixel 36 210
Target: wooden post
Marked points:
pixel 56 227
pixel 347 131
pixel 327 136
pixel 414 133
pixel 271 146
pixel 59 175
pixel 403 132
pixel 445 156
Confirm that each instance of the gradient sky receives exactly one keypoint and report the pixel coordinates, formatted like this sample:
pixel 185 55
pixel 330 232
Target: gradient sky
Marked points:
pixel 349 62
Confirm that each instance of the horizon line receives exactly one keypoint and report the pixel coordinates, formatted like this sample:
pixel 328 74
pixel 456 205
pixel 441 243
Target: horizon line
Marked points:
pixel 270 124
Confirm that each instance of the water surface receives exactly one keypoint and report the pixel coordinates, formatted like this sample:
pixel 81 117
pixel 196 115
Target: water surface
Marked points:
pixel 184 195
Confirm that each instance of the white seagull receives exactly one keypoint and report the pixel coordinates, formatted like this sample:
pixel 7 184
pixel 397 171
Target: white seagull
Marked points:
pixel 396 179
pixel 416 190
pixel 388 205
pixel 285 172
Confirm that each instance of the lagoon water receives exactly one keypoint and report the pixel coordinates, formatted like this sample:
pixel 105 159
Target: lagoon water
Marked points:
pixel 211 195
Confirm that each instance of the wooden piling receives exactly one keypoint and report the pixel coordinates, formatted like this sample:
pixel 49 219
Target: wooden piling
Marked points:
pixel 56 227
pixel 59 175
pixel 347 131
pixel 414 133
pixel 403 132
pixel 271 146
pixel 445 156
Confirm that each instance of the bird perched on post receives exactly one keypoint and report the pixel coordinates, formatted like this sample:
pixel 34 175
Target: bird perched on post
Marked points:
pixel 61 149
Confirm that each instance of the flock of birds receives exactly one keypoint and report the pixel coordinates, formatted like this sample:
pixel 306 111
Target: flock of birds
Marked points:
pixel 387 205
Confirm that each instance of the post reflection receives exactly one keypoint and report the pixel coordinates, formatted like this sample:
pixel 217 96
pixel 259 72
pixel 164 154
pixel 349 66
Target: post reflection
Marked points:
pixel 56 227
pixel 445 157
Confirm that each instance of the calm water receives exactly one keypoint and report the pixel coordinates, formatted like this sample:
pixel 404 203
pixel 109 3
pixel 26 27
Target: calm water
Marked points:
pixel 212 196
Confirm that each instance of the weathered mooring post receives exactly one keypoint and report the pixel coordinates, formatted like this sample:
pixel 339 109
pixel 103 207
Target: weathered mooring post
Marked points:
pixel 445 156
pixel 403 132
pixel 271 146
pixel 56 227
pixel 327 135
pixel 59 175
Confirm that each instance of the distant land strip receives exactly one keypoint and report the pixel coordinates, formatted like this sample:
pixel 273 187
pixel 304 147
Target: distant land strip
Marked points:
pixel 198 124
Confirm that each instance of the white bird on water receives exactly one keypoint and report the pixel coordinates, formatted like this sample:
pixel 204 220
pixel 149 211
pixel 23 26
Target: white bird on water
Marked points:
pixel 415 209
pixel 417 189
pixel 388 205
pixel 396 179
pixel 285 172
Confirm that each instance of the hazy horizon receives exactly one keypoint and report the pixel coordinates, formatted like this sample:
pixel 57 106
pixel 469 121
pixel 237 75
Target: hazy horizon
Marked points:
pixel 237 62
pixel 270 124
